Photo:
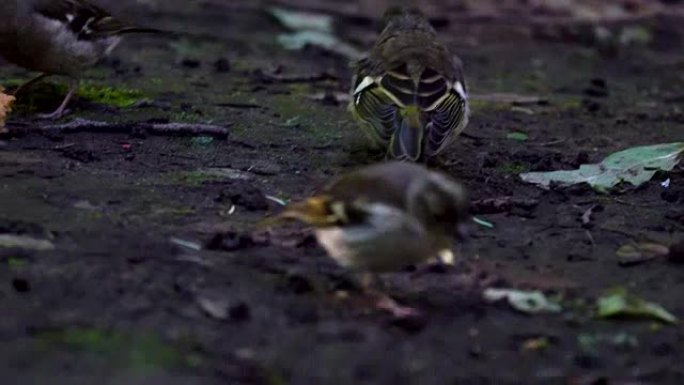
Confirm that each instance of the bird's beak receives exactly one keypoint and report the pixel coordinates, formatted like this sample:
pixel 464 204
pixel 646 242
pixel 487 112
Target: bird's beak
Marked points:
pixel 314 211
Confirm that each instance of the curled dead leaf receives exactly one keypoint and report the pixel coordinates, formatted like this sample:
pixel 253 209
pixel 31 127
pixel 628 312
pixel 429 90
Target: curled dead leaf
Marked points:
pixel 6 102
pixel 634 254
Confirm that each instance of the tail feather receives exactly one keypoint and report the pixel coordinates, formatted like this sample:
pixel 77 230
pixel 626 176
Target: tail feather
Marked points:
pixel 407 141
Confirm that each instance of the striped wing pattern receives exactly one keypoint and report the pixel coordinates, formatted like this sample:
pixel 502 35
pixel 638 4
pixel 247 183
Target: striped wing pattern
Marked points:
pixel 378 114
pixel 446 121
pixel 85 20
pixel 386 105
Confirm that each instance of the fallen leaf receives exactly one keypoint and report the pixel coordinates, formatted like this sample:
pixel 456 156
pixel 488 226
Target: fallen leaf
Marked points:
pixel 519 136
pixel 311 29
pixel 636 165
pixel 535 344
pixel 483 223
pixel 25 242
pixel 531 302
pixel 299 21
pixel 214 307
pixel 186 244
pixel 331 97
pixel 508 98
pixel 633 254
pixel 224 173
pixel 6 102
pixel 618 303
pixel 299 40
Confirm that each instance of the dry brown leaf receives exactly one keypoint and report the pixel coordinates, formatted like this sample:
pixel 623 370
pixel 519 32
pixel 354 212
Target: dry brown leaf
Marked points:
pixel 5 107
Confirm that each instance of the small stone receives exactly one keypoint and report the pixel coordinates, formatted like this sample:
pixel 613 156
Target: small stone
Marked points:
pixel 222 65
pixel 229 241
pixel 245 195
pixel 670 196
pixel 239 312
pixel 190 63
pixel 410 324
pixel 21 285
pixel 676 254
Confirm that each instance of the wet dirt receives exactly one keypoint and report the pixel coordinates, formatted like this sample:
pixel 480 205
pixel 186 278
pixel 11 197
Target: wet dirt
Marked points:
pixel 158 277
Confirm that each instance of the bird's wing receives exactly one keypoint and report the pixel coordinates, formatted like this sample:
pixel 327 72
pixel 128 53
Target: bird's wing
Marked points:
pixel 86 20
pixel 448 116
pixel 373 107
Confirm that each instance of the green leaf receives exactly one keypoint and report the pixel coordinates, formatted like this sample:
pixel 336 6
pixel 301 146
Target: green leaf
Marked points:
pixel 11 241
pixel 618 303
pixel 311 29
pixel 632 254
pixel 303 21
pixel 519 136
pixel 483 223
pixel 635 166
pixel 300 39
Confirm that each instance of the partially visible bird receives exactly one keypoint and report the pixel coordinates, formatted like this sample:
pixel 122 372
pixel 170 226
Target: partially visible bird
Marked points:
pixel 409 93
pixel 385 217
pixel 58 37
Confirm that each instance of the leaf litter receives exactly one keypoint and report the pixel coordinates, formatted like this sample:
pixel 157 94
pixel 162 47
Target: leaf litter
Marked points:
pixel 308 28
pixel 617 303
pixel 636 166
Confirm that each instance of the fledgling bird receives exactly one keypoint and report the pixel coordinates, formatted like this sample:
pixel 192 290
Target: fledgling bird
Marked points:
pixel 385 217
pixel 409 93
pixel 58 37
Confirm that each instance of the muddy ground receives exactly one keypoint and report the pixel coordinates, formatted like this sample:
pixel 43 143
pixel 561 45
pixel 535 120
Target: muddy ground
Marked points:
pixel 125 297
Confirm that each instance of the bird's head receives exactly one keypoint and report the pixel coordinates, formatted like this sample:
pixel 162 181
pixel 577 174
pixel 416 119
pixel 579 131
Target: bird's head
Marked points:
pixel 398 18
pixel 441 203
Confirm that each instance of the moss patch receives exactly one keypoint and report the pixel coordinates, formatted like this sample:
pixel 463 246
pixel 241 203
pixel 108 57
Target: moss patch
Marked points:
pixel 514 168
pixel 113 96
pixel 131 351
pixel 16 263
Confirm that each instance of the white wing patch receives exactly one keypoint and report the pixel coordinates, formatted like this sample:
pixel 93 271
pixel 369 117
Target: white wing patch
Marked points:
pixel 365 83
pixel 460 90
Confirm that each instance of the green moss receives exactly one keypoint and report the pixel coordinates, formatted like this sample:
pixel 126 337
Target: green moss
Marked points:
pixel 187 178
pixel 514 168
pixel 51 94
pixel 300 88
pixel 188 117
pixel 133 351
pixel 487 105
pixel 117 97
pixel 16 263
pixel 567 104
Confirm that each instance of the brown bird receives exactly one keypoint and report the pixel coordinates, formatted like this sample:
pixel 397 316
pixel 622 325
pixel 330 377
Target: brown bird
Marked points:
pixel 384 217
pixel 409 93
pixel 58 37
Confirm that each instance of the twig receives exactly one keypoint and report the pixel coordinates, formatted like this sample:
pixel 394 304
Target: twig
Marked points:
pixel 630 235
pixel 501 205
pixel 586 216
pixel 551 143
pixel 263 76
pixel 161 129
pixel 510 98
pixel 239 105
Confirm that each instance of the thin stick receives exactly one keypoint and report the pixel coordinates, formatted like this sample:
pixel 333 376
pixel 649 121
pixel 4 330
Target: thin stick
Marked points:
pixel 165 129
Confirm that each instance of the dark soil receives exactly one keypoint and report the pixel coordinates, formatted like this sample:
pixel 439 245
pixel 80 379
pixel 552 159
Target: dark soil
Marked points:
pixel 158 276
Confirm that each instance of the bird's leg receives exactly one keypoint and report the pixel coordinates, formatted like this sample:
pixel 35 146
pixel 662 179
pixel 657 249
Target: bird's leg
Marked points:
pixel 383 301
pixel 29 84
pixel 59 112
